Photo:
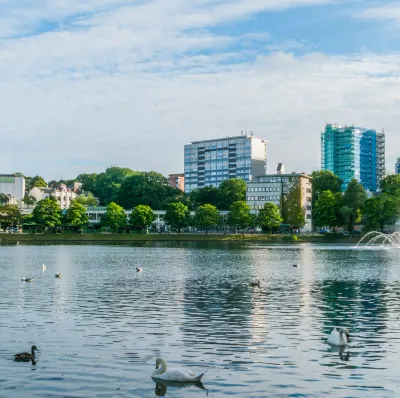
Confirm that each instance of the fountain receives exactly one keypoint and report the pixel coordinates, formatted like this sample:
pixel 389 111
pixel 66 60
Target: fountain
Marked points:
pixel 376 238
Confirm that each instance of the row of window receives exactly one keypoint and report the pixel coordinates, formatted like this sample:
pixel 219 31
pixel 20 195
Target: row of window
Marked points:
pixel 264 189
pixel 273 198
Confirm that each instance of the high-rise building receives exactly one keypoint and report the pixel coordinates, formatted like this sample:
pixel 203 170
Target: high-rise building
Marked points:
pixel 12 185
pixel 354 152
pixel 177 181
pixel 397 167
pixel 211 162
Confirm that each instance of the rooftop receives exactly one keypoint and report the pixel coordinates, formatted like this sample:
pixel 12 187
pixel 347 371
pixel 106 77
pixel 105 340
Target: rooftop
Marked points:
pixel 244 136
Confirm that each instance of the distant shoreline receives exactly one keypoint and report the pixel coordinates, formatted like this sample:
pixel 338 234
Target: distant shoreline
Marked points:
pixel 128 238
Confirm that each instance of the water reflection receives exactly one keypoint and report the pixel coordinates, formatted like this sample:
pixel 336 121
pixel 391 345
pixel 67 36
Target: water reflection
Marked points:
pixel 162 386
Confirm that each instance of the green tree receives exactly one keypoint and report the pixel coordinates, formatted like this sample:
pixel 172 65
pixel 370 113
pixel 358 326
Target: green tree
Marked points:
pixel 203 196
pixel 47 212
pixel 206 216
pixel 381 211
pixel 88 200
pixel 326 211
pixel 325 180
pixel 231 191
pixel 239 215
pixel 29 200
pixel 354 199
pixel 390 185
pixel 269 217
pixel 292 210
pixel 10 215
pixel 32 182
pixel 88 181
pixel 76 215
pixel 4 199
pixel 114 217
pixel 177 216
pixel 142 217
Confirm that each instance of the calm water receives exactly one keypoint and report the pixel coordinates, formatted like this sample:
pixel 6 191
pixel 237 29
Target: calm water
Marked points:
pixel 102 325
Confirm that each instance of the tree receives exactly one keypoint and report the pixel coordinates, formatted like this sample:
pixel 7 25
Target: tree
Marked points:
pixel 114 217
pixel 29 200
pixel 354 199
pixel 292 210
pixel 231 191
pixel 203 196
pixel 177 216
pixel 4 199
pixel 239 215
pixel 76 215
pixel 380 211
pixel 10 215
pixel 325 180
pixel 88 181
pixel 32 182
pixel 206 216
pixel 141 217
pixel 390 185
pixel 326 211
pixel 269 217
pixel 47 212
pixel 88 200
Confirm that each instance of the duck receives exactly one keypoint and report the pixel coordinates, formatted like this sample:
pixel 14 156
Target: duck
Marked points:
pixel 26 356
pixel 44 267
pixel 256 283
pixel 174 374
pixel 339 337
pixel 27 279
pixel 139 269
pixel 58 275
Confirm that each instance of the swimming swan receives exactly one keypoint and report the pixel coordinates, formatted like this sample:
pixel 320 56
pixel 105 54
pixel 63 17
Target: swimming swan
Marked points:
pixel 339 337
pixel 173 374
pixel 44 267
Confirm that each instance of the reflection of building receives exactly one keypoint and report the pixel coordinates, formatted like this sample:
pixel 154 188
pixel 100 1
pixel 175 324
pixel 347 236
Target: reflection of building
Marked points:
pixel 397 167
pixel 12 186
pixel 63 194
pixel 291 192
pixel 177 181
pixel 354 152
pixel 211 162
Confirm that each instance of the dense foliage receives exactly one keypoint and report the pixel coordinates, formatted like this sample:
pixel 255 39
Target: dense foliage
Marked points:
pixel 47 212
pixel 142 217
pixel 269 217
pixel 206 216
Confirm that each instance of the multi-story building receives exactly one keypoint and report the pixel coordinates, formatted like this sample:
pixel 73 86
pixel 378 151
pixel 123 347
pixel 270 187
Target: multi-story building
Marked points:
pixel 397 167
pixel 12 185
pixel 177 181
pixel 211 162
pixel 63 194
pixel 292 193
pixel 354 152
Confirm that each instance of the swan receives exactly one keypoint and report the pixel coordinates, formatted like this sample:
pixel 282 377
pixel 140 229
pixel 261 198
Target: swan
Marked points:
pixel 339 337
pixel 174 374
pixel 58 275
pixel 44 267
pixel 139 269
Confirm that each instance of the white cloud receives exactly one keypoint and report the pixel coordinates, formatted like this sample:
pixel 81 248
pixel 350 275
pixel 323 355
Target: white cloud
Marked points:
pixel 389 11
pixel 131 85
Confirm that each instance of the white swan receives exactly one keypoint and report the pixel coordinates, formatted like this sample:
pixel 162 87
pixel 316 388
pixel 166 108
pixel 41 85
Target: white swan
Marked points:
pixel 44 267
pixel 339 337
pixel 173 374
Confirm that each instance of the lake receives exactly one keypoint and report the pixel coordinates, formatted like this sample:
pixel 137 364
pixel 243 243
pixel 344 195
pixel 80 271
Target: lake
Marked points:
pixel 101 326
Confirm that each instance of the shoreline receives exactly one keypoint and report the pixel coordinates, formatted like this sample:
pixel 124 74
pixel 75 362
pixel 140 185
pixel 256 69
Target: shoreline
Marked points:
pixel 131 238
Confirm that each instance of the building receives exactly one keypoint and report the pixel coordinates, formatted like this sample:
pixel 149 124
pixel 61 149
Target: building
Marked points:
pixel 211 162
pixel 354 152
pixel 292 193
pixel 397 167
pixel 12 185
pixel 63 194
pixel 177 181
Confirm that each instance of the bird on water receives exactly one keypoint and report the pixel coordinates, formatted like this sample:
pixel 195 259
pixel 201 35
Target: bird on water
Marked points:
pixel 26 356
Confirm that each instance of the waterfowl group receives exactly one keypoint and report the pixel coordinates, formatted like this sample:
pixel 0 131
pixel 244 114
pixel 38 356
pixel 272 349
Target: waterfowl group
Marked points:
pixel 339 337
pixel 26 356
pixel 174 374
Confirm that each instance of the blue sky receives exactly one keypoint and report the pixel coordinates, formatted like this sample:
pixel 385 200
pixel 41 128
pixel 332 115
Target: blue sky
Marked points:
pixel 85 84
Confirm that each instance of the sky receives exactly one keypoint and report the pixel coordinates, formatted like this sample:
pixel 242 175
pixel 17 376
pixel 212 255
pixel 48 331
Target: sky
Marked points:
pixel 88 84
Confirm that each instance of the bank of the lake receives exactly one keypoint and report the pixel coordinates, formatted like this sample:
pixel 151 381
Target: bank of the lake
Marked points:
pixel 121 238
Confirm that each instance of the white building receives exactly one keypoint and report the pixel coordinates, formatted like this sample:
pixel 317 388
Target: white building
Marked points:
pixel 210 162
pixel 63 194
pixel 12 186
pixel 284 190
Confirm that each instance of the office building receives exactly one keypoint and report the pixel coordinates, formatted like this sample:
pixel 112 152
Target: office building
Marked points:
pixel 211 162
pixel 12 185
pixel 292 193
pixel 177 181
pixel 397 167
pixel 354 152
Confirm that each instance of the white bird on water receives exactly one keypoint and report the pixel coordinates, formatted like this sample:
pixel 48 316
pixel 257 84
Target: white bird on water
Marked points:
pixel 174 374
pixel 44 267
pixel 339 337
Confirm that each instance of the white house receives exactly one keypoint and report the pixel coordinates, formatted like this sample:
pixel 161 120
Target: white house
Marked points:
pixel 63 194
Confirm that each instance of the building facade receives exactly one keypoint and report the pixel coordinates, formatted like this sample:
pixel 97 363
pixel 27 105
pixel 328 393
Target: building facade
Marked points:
pixel 177 181
pixel 397 166
pixel 63 194
pixel 211 162
pixel 354 152
pixel 292 193
pixel 13 186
